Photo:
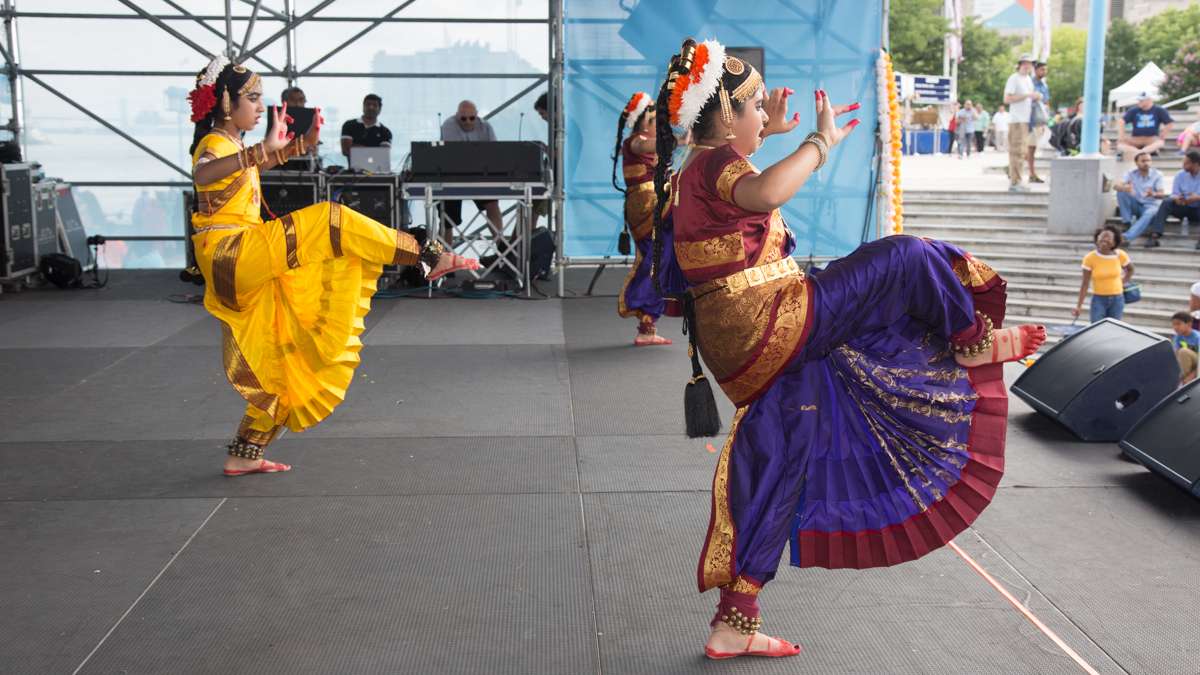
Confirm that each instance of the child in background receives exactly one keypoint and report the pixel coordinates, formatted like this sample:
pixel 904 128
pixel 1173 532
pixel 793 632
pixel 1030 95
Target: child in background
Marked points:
pixel 1187 345
pixel 1189 138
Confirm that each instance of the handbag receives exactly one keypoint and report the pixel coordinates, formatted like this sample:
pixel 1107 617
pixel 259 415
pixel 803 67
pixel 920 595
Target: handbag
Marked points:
pixel 1133 292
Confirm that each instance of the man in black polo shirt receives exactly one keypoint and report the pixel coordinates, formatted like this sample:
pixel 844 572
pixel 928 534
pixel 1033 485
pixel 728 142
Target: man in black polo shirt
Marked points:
pixel 366 131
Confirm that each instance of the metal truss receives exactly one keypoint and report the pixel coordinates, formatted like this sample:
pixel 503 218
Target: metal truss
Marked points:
pixel 285 23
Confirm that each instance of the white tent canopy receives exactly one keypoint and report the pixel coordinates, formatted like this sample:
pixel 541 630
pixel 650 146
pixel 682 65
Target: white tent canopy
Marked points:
pixel 1147 80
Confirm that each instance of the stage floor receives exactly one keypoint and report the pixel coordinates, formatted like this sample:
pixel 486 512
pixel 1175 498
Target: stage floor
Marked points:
pixel 507 489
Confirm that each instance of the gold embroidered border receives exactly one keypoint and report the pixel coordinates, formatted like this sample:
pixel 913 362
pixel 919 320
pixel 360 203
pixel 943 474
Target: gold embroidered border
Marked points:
pixel 407 250
pixel 208 202
pixel 243 379
pixel 972 273
pixel 772 246
pixel 788 327
pixel 717 566
pixel 743 585
pixel 335 229
pixel 224 270
pixel 289 237
pixel 639 211
pixel 729 177
pixel 632 171
pixel 248 433
pixel 722 250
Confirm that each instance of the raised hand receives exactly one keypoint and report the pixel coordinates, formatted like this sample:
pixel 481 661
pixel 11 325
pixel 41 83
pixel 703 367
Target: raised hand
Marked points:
pixel 313 135
pixel 279 134
pixel 776 107
pixel 827 114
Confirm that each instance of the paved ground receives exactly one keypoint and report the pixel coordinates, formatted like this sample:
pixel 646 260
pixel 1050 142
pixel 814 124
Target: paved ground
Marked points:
pixel 947 172
pixel 506 490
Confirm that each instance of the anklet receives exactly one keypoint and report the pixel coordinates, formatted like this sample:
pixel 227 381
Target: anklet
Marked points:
pixel 245 450
pixel 742 623
pixel 983 344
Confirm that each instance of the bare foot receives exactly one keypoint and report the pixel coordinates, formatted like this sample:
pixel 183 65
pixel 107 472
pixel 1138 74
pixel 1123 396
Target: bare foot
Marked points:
pixel 725 643
pixel 449 263
pixel 648 339
pixel 1010 344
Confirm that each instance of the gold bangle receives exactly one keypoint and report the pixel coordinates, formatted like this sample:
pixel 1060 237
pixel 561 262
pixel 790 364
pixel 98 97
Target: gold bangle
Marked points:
pixel 818 141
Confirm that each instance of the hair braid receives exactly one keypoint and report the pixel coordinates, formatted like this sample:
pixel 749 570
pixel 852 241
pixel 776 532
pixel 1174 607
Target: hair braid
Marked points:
pixel 664 144
pixel 617 151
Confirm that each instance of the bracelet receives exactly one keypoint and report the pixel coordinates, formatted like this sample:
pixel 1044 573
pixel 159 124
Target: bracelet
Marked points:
pixel 818 141
pixel 430 254
pixel 255 155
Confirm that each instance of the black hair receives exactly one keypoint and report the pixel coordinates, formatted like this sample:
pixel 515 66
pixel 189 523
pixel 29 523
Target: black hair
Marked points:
pixel 1039 64
pixel 541 103
pixel 1182 317
pixel 373 97
pixel 1193 156
pixel 283 97
pixel 230 79
pixel 1118 238
pixel 637 124
pixel 1139 155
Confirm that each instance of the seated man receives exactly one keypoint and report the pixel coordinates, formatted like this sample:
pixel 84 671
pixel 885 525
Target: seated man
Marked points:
pixel 1139 194
pixel 467 125
pixel 1151 123
pixel 366 131
pixel 294 97
pixel 1187 345
pixel 1184 202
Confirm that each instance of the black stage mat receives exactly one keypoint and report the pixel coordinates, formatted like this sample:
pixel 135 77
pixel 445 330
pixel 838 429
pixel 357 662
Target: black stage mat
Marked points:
pixel 646 463
pixel 111 323
pixel 322 466
pixel 70 569
pixel 935 615
pixel 452 321
pixel 429 584
pixel 31 373
pixel 495 390
pixel 1120 561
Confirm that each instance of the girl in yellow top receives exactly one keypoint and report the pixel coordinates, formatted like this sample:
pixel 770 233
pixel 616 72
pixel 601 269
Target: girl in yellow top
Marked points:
pixel 290 293
pixel 1107 269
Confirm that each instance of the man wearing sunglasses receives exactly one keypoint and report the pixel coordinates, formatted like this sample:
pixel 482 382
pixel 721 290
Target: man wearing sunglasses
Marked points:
pixel 467 125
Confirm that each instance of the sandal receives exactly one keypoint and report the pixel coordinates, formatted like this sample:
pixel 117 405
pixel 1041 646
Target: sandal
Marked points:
pixel 778 649
pixel 460 263
pixel 265 467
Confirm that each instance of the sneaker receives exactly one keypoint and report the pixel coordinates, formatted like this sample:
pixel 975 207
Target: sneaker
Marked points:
pixel 1036 179
pixel 1152 243
pixel 1017 188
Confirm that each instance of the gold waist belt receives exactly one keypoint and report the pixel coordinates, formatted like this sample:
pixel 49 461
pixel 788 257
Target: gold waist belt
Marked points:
pixel 750 277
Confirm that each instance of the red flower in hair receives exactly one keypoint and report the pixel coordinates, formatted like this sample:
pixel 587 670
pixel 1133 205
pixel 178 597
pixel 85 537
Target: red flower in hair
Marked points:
pixel 203 99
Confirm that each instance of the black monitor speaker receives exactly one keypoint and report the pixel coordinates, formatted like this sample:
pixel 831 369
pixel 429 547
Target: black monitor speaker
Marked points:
pixel 1167 439
pixel 1100 381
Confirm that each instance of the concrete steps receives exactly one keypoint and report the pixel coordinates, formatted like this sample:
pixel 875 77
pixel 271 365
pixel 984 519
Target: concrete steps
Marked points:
pixel 1008 231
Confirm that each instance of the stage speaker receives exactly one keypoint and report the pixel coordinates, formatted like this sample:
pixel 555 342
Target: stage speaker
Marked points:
pixel 1167 439
pixel 1100 381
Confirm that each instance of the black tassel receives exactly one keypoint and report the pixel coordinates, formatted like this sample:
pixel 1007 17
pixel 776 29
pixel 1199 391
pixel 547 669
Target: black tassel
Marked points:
pixel 624 245
pixel 700 414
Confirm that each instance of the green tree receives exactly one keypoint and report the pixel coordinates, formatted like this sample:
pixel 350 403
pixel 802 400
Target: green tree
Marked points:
pixel 1183 73
pixel 916 29
pixel 1064 70
pixel 1122 56
pixel 987 63
pixel 1159 37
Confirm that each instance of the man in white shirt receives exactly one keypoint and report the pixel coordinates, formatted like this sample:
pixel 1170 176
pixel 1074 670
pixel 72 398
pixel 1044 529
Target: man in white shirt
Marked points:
pixel 1019 94
pixel 1000 122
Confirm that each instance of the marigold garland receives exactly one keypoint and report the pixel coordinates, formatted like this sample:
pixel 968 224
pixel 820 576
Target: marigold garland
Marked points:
pixel 890 135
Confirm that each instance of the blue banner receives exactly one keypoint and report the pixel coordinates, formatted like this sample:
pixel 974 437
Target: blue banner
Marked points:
pixel 617 47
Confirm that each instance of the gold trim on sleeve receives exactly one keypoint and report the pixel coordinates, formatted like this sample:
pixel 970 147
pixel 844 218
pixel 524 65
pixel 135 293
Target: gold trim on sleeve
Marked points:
pixel 729 177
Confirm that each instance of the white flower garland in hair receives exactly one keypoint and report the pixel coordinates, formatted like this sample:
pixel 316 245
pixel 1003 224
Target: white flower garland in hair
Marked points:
pixel 213 70
pixel 703 88
pixel 643 102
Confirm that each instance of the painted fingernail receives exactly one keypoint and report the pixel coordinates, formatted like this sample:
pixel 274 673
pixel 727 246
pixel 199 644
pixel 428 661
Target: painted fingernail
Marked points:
pixel 796 117
pixel 853 123
pixel 817 94
pixel 853 106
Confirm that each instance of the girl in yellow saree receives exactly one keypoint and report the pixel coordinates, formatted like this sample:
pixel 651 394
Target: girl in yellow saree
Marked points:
pixel 290 293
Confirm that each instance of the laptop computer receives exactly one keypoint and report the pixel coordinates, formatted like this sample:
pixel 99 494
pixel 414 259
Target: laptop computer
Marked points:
pixel 371 160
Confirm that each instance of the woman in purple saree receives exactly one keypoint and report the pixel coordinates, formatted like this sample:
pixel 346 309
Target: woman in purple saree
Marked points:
pixel 871 409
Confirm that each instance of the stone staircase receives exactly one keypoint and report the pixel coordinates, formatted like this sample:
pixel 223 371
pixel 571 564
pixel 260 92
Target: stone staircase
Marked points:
pixel 1008 231
pixel 1168 160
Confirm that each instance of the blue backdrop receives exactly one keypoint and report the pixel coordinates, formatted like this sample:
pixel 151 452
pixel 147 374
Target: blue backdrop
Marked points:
pixel 616 47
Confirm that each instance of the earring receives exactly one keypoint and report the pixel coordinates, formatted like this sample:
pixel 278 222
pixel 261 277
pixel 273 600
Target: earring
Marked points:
pixel 727 113
pixel 225 105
